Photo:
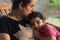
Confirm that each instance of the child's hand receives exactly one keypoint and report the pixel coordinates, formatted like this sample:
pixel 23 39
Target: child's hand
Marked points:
pixel 37 34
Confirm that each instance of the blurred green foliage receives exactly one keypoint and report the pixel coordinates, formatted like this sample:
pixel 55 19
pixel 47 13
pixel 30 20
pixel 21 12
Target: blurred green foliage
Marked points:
pixel 53 3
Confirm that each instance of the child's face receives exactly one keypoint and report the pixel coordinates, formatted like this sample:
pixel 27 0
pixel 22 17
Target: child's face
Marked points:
pixel 36 22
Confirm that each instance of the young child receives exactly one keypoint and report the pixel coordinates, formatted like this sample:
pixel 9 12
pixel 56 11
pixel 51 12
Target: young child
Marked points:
pixel 41 29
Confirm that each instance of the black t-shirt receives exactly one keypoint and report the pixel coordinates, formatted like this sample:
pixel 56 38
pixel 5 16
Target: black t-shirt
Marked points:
pixel 24 21
pixel 9 26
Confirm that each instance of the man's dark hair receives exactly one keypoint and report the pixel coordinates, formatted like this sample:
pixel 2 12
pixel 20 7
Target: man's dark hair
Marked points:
pixel 35 14
pixel 15 3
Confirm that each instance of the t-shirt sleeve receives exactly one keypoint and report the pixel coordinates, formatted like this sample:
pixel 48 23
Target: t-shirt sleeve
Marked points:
pixel 51 30
pixel 3 26
pixel 48 30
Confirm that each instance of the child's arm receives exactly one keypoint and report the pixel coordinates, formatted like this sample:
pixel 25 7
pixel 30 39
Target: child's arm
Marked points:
pixel 39 37
pixel 36 35
pixel 52 37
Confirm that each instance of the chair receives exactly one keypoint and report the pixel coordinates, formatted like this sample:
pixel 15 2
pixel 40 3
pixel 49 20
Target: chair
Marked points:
pixel 5 8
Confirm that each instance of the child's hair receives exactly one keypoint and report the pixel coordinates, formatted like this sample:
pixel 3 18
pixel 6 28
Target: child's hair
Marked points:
pixel 35 14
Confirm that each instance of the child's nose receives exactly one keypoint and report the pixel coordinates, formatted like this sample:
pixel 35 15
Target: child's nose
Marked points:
pixel 36 25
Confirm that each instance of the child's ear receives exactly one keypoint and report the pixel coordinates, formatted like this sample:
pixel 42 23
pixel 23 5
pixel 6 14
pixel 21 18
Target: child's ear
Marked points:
pixel 20 5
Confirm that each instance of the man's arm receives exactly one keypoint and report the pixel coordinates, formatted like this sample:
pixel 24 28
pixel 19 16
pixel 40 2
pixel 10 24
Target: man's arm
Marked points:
pixel 4 36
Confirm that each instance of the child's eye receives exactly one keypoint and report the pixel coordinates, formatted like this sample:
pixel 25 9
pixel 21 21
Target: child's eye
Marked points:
pixel 38 22
pixel 32 23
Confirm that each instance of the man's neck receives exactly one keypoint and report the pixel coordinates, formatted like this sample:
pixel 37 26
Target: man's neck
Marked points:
pixel 14 16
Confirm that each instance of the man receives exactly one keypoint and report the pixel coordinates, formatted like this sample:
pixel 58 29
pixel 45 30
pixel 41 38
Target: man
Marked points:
pixel 9 23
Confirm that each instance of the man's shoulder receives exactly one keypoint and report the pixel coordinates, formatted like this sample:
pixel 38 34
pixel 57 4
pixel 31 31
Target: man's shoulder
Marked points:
pixel 3 17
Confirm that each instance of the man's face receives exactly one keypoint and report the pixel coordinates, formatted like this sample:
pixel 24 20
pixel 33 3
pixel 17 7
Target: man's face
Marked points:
pixel 28 8
pixel 36 22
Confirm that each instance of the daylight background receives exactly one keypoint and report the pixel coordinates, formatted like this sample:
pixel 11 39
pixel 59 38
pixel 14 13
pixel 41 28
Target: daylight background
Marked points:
pixel 49 8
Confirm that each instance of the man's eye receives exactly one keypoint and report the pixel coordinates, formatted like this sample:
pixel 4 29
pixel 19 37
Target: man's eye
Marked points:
pixel 32 5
